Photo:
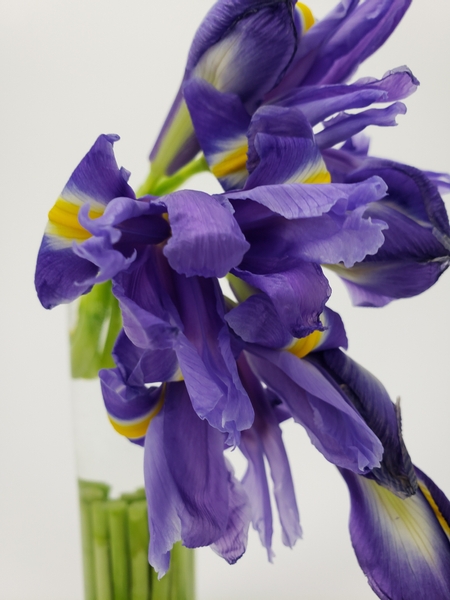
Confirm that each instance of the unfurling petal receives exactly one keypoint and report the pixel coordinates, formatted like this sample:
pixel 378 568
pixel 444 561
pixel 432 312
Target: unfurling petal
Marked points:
pixel 403 546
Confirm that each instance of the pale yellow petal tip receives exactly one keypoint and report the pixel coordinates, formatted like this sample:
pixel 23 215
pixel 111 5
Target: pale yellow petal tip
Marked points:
pixel 307 16
pixel 137 428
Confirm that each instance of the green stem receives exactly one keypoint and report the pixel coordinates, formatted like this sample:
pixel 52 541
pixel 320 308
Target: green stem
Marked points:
pixel 162 185
pixel 138 539
pixel 98 323
pixel 101 551
pixel 118 532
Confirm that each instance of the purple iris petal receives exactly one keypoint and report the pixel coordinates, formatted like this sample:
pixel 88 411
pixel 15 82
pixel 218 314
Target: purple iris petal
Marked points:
pixel 368 396
pixel 319 102
pixel 164 310
pixel 186 479
pixel 59 275
pixel 344 126
pixel 298 294
pixel 312 44
pixel 206 240
pixel 403 546
pixel 257 488
pixel 268 441
pixel 140 366
pixel 358 36
pixel 97 176
pixel 336 430
pixel 233 543
pixel 417 242
pixel 256 321
pixel 296 201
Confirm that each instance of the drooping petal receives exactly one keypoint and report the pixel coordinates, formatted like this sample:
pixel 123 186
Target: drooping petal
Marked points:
pixel 403 546
pixel 368 396
pixel 186 479
pixel 233 543
pixel 335 428
pixel 267 440
pixel 206 240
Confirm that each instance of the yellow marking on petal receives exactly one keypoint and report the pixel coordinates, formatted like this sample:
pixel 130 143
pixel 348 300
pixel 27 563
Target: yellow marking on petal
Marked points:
pixel 63 220
pixel 233 162
pixel 322 176
pixel 303 346
pixel 138 427
pixel 307 16
pixel 439 516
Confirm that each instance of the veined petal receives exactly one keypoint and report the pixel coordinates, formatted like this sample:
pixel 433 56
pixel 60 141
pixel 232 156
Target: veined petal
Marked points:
pixel 297 201
pixel 186 479
pixel 335 428
pixel 206 240
pixel 403 546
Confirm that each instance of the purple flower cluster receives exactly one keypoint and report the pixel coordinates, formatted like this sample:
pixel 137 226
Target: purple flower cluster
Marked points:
pixel 264 98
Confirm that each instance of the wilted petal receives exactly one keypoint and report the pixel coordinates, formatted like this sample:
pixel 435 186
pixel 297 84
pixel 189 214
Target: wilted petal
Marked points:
pixel 335 428
pixel 186 479
pixel 232 545
pixel 403 546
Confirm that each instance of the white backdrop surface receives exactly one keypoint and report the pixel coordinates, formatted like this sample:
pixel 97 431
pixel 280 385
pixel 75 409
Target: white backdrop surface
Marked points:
pixel 72 69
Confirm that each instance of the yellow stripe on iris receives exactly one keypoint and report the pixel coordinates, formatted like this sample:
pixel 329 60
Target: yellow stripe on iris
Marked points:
pixel 303 346
pixel 439 516
pixel 63 220
pixel 231 163
pixel 136 428
pixel 307 16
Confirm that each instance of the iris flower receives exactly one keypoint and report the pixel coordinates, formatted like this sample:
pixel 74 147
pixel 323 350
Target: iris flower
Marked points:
pixel 256 51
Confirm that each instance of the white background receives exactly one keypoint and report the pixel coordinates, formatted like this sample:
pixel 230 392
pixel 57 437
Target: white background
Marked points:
pixel 71 70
